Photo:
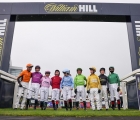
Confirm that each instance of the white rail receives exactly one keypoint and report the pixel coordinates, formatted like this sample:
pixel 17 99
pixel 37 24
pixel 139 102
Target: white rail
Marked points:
pixel 8 77
pixel 127 78
pixel 132 74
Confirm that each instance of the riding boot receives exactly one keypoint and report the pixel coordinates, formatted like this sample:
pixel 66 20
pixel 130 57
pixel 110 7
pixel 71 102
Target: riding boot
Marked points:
pixel 77 105
pixel 119 105
pixel 36 102
pixel 56 107
pixel 66 106
pixel 70 104
pixel 84 102
pixel 45 106
pixel 27 104
pixel 113 106
pixel 53 102
pixel 41 105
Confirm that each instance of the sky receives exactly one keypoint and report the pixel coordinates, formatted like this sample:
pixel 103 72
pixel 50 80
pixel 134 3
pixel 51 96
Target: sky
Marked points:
pixel 105 1
pixel 60 45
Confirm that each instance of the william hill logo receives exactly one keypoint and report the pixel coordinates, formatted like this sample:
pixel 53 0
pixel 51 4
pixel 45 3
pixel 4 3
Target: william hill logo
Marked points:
pixel 53 7
pixel 137 26
pixel 3 28
pixel 1 45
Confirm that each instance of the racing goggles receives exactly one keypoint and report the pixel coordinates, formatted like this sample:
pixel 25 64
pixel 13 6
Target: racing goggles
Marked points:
pixel 65 72
pixel 47 72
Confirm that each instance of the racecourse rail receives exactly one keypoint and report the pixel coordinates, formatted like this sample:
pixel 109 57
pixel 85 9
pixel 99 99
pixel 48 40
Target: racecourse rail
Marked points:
pixel 127 78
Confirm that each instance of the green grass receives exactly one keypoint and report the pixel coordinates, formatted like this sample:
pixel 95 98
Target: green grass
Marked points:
pixel 74 113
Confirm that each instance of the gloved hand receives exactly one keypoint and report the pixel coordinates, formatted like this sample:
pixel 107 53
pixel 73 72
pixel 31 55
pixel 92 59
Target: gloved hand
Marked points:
pixel 85 85
pixel 20 85
pixel 19 82
pixel 61 96
pixel 88 91
pixel 99 90
pixel 108 90
pixel 118 89
pixel 75 91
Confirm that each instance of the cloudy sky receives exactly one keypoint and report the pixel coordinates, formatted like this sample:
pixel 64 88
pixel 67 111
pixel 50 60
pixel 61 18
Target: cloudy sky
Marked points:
pixel 111 1
pixel 60 45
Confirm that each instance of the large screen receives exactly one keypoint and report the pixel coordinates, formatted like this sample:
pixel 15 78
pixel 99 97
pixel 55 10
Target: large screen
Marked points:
pixel 60 45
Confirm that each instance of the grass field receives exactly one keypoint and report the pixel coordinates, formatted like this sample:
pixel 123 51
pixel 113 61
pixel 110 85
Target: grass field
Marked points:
pixel 74 113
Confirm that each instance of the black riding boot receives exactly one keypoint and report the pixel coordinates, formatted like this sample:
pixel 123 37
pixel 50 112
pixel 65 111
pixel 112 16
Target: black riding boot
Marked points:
pixel 77 105
pixel 36 102
pixel 27 104
pixel 119 105
pixel 45 106
pixel 113 106
pixel 84 102
pixel 66 106
pixel 54 106
pixel 53 102
pixel 41 105
pixel 70 103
